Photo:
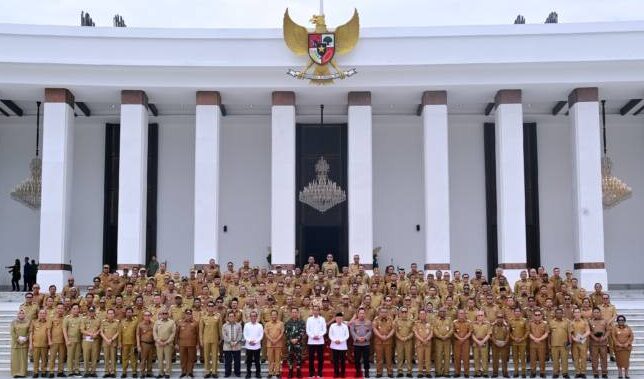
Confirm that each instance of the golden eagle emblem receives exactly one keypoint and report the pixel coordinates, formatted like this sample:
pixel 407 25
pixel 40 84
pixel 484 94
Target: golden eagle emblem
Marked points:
pixel 321 45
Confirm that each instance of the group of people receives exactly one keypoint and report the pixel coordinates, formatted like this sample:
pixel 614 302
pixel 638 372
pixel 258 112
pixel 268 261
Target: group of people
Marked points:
pixel 411 318
pixel 28 275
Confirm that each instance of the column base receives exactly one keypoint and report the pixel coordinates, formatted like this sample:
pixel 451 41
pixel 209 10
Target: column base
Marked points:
pixel 47 277
pixel 589 276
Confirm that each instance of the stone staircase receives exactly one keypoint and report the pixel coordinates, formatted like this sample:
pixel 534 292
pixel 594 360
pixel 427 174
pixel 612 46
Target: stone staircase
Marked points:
pixel 630 303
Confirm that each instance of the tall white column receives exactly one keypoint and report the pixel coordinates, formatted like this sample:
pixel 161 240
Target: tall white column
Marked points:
pixel 587 187
pixel 207 140
pixel 510 185
pixel 436 170
pixel 133 172
pixel 57 169
pixel 283 179
pixel 360 178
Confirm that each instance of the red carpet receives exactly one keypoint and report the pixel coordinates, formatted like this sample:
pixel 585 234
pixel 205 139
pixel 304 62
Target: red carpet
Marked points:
pixel 327 369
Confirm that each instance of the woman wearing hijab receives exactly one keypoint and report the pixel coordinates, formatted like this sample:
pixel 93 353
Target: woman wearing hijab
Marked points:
pixel 623 339
pixel 19 345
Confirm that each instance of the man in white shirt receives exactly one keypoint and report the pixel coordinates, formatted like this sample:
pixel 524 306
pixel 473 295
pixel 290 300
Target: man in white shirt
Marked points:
pixel 253 334
pixel 315 330
pixel 339 334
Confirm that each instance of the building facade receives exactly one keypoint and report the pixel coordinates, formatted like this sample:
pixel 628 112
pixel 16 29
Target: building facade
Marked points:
pixel 458 148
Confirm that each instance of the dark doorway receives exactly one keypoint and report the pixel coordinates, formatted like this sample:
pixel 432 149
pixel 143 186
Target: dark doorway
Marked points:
pixel 111 193
pixel 320 233
pixel 531 187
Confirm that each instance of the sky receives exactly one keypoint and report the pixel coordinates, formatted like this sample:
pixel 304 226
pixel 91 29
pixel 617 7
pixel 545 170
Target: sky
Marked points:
pixel 268 13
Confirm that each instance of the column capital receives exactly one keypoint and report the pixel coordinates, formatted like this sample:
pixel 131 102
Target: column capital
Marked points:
pixel 137 97
pixel 59 95
pixel 587 94
pixel 508 96
pixel 359 98
pixel 283 98
pixel 208 98
pixel 434 98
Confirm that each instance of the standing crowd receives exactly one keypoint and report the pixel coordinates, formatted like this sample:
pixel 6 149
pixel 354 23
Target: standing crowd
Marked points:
pixel 403 318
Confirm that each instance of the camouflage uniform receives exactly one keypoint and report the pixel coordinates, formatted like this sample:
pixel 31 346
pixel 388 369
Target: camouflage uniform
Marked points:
pixel 294 329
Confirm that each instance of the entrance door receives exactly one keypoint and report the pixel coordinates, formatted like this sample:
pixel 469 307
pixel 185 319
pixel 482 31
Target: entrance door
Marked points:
pixel 321 233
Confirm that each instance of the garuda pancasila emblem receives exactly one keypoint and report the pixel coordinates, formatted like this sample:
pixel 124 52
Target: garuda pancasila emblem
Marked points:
pixel 321 45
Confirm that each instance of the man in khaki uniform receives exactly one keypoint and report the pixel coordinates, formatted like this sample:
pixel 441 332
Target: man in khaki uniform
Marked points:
pixel 423 334
pixel 559 338
pixel 500 345
pixel 90 329
pixel 579 332
pixel 598 343
pixel 145 343
pixel 127 338
pixel 462 334
pixel 274 333
pixel 110 331
pixel 38 342
pixel 443 331
pixel 404 333
pixel 209 328
pixel 539 331
pixel 519 340
pixel 481 332
pixel 71 331
pixel 163 332
pixel 57 346
pixel 187 340
pixel 383 330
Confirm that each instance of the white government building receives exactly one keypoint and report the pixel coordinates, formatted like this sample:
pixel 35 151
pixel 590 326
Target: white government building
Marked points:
pixel 457 147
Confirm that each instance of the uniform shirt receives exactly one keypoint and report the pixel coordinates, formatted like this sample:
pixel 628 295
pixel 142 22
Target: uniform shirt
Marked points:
pixel 72 326
pixel 316 326
pixel 110 328
pixel 294 329
pixel 164 331
pixel 443 328
pixel 480 330
pixel 56 325
pixel 273 330
pixel 500 332
pixel 559 332
pixel 361 329
pixel 128 331
pixel 578 328
pixel 404 328
pixel 538 329
pixel 462 328
pixel 338 332
pixel 144 330
pixel 39 330
pixel 422 329
pixel 254 332
pixel 90 325
pixel 209 327
pixel 187 333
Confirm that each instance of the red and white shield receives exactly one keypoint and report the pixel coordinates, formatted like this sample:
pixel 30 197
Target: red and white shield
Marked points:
pixel 321 47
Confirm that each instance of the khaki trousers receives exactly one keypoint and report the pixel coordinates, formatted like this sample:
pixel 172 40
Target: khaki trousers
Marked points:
pixel 481 358
pixel 147 352
pixel 128 358
pixel 424 357
pixel 500 354
pixel 537 354
pixel 579 357
pixel 187 356
pixel 559 360
pixel 599 354
pixel 461 357
pixel 519 358
pixel 384 354
pixel 442 351
pixel 40 359
pixel 211 357
pixel 164 356
pixel 403 354
pixel 90 356
pixel 109 356
pixel 73 357
pixel 57 352
pixel 274 360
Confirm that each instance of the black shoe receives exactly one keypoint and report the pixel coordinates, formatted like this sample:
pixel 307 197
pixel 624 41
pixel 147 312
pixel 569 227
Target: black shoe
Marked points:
pixel 378 375
pixel 418 376
pixel 106 376
pixel 258 375
pixel 604 375
pixel 134 375
pixel 208 376
pixel 214 376
pixel 62 374
pixel 409 375
pixel 167 376
pixel 555 376
pixel 247 376
pixel 160 376
pixel 124 375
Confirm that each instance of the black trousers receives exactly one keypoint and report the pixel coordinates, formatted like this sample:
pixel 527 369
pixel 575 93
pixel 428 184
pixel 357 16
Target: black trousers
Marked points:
pixel 229 357
pixel 253 356
pixel 313 350
pixel 339 362
pixel 361 355
pixel 15 284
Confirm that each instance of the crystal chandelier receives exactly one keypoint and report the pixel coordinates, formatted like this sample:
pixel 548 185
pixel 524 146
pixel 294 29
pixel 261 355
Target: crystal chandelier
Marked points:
pixel 28 192
pixel 613 189
pixel 322 193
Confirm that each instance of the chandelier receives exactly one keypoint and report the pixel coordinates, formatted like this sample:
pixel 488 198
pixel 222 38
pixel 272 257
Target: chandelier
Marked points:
pixel 28 192
pixel 322 193
pixel 613 189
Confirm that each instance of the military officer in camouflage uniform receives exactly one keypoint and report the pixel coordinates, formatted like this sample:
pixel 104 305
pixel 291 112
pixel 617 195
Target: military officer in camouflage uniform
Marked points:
pixel 294 331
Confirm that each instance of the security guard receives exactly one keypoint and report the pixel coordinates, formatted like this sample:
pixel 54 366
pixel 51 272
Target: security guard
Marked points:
pixel 91 330
pixel 404 334
pixel 127 338
pixel 443 331
pixel 38 335
pixel 145 343
pixel 163 332
pixel 72 334
pixel 500 345
pixel 383 329
pixel 519 340
pixel 110 330
pixel 209 328
pixel 481 332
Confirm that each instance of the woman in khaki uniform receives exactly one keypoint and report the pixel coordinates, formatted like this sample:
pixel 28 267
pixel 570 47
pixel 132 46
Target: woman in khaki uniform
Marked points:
pixel 19 345
pixel 623 339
